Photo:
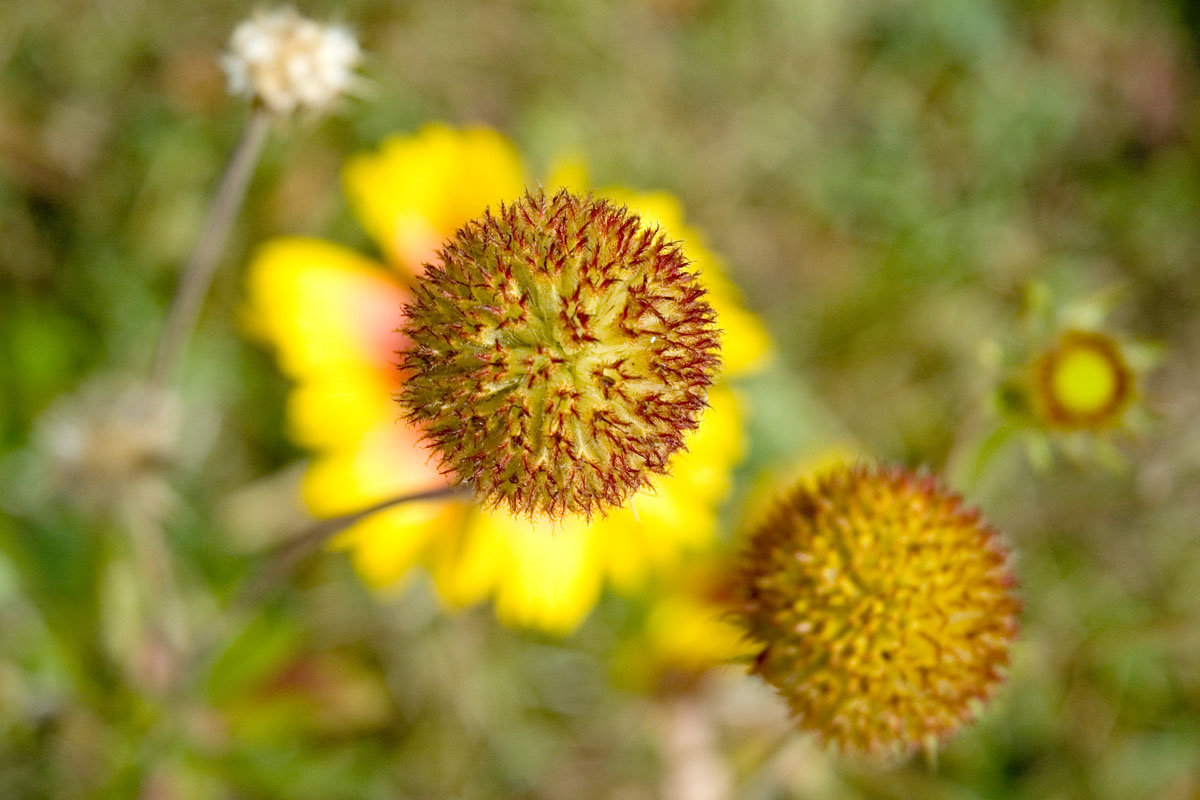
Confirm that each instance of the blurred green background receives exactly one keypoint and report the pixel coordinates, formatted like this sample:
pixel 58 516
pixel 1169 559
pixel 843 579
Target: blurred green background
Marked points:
pixel 884 179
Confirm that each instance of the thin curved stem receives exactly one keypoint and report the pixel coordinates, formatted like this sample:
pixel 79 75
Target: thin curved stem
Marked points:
pixel 202 264
pixel 285 556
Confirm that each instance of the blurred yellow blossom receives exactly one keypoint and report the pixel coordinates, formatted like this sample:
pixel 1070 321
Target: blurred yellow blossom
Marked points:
pixel 686 628
pixel 690 623
pixel 331 315
pixel 416 191
pixel 1070 381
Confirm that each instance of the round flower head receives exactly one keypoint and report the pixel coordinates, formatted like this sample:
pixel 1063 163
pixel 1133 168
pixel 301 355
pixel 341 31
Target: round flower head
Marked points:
pixel 883 608
pixel 558 354
pixel 1081 382
pixel 109 445
pixel 286 61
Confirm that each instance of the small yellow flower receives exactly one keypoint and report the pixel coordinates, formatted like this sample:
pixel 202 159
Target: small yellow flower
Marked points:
pixel 882 607
pixel 1069 383
pixel 332 315
pixel 1081 382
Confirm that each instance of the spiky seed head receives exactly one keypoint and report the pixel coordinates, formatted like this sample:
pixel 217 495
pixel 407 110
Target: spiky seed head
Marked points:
pixel 558 353
pixel 883 606
pixel 1081 382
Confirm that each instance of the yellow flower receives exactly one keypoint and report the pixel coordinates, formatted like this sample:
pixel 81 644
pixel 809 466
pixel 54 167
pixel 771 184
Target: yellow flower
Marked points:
pixel 332 316
pixel 689 625
pixel 1070 382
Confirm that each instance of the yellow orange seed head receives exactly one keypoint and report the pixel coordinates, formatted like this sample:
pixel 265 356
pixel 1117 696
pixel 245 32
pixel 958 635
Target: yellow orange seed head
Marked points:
pixel 883 607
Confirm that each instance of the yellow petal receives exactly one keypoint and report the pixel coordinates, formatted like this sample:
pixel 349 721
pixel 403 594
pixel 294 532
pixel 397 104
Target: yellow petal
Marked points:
pixel 331 316
pixel 679 513
pixel 569 171
pixel 746 345
pixel 417 190
pixel 385 462
pixel 685 632
pixel 322 306
pixel 541 573
pixel 336 410
pixel 716 446
pixel 386 546
pixel 688 628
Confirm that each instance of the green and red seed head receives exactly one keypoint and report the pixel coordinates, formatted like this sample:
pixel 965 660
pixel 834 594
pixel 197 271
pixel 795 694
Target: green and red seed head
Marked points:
pixel 558 354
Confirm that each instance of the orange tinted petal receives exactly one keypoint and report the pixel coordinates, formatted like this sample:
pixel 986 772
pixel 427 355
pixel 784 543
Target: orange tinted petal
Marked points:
pixel 387 461
pixel 323 307
pixel 416 191
pixel 331 316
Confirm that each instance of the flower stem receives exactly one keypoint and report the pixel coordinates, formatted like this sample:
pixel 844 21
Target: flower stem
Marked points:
pixel 978 442
pixel 166 616
pixel 693 765
pixel 284 557
pixel 202 263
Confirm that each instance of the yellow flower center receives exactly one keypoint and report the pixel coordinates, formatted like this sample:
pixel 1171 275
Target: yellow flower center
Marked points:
pixel 1082 382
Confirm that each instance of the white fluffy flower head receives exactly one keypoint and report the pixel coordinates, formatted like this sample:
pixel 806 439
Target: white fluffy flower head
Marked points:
pixel 288 62
pixel 108 447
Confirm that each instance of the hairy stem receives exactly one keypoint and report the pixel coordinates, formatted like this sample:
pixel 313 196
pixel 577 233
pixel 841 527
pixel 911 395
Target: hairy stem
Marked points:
pixel 286 555
pixel 202 263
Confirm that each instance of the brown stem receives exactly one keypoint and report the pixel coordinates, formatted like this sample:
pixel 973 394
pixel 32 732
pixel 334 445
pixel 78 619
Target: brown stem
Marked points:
pixel 285 556
pixel 202 263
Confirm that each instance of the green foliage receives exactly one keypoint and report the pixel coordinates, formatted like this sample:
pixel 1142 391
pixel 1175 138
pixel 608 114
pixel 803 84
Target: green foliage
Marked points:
pixel 883 178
